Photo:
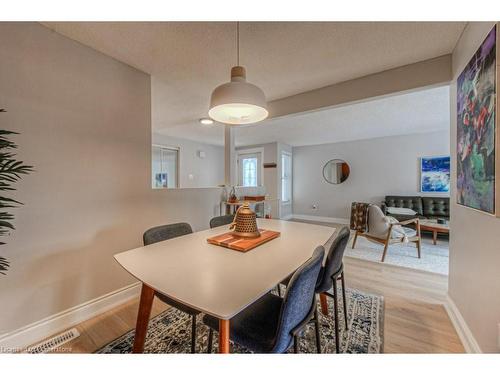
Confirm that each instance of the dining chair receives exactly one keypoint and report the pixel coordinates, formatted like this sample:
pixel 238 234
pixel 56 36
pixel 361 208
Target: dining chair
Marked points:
pixel 332 271
pixel 166 232
pixel 219 221
pixel 273 324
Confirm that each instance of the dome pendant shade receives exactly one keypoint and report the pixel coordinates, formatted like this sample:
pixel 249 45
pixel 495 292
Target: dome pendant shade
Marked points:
pixel 238 102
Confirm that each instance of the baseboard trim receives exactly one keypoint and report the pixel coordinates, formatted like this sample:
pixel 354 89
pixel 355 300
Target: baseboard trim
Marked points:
pixel 324 219
pixel 468 341
pixel 287 217
pixel 32 333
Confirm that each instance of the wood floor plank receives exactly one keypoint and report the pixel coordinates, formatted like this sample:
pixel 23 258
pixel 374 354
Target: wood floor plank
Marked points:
pixel 415 320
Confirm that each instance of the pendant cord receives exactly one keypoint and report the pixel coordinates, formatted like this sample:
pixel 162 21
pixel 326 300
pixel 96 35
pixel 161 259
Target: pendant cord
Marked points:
pixel 237 43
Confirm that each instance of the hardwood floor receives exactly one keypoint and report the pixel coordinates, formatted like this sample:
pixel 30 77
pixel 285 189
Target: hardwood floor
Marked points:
pixel 415 319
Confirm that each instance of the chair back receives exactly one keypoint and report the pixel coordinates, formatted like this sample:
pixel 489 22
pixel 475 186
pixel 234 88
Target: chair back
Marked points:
pixel 333 263
pixel 165 232
pixel 299 300
pixel 219 221
pixel 378 224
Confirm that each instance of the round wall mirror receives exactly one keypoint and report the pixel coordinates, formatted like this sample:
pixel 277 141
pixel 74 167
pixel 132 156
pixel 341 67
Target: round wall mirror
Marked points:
pixel 336 171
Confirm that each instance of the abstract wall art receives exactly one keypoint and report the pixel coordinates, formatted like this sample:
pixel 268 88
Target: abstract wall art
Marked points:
pixel 476 128
pixel 435 174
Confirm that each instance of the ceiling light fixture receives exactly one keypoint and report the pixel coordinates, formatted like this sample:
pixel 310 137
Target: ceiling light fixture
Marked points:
pixel 238 102
pixel 206 121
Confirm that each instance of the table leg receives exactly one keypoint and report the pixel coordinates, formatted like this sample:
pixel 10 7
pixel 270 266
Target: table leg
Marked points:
pixel 434 236
pixel 324 304
pixel 223 336
pixel 141 327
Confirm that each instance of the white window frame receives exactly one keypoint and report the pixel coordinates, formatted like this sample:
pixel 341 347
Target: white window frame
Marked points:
pixel 177 164
pixel 259 152
pixel 290 178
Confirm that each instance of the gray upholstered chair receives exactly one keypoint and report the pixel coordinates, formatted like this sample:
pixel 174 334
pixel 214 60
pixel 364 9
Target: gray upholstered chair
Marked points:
pixel 272 324
pixel 219 221
pixel 331 272
pixel 388 230
pixel 166 232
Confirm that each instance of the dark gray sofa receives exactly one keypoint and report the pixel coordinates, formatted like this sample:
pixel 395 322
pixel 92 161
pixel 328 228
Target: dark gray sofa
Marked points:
pixel 426 207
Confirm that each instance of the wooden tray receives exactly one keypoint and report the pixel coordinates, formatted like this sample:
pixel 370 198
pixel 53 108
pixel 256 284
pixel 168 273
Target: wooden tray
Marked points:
pixel 233 242
pixel 256 198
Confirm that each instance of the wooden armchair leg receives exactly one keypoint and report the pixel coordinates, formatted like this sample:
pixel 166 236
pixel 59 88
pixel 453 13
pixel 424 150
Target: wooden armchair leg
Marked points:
pixel 419 235
pixel 385 250
pixel 355 238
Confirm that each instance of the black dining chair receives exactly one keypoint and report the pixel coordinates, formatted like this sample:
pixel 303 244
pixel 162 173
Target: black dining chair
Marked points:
pixel 219 221
pixel 273 324
pixel 166 232
pixel 332 271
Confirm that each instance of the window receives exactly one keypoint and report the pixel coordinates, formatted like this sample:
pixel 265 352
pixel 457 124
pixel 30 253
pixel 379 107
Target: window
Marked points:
pixel 286 177
pixel 165 167
pixel 250 172
pixel 249 169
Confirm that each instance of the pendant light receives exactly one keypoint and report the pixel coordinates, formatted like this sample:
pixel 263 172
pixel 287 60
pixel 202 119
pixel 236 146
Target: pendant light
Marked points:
pixel 238 102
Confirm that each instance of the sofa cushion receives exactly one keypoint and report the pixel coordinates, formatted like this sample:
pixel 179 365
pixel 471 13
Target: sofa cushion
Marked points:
pixel 407 217
pixel 400 211
pixel 415 203
pixel 436 206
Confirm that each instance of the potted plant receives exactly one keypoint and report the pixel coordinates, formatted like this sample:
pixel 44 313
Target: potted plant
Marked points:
pixel 11 171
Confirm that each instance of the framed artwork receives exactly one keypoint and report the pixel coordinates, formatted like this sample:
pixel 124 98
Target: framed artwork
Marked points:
pixel 476 129
pixel 435 174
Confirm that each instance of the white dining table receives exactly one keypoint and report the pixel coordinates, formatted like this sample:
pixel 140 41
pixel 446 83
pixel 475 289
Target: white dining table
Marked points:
pixel 216 280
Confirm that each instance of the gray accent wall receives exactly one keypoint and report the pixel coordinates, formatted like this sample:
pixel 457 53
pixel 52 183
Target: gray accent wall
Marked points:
pixel 85 124
pixel 379 167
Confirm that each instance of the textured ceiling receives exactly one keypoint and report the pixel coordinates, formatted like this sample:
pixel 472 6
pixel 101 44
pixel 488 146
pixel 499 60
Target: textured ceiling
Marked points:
pixel 189 59
pixel 409 113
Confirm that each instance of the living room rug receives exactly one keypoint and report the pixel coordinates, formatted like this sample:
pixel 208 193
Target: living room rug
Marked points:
pixel 434 258
pixel 170 331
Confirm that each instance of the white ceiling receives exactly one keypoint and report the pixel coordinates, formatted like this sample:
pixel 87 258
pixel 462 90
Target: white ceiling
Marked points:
pixel 189 59
pixel 410 113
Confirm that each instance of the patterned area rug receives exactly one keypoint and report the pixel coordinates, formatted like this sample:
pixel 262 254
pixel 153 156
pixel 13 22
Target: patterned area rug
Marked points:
pixel 170 331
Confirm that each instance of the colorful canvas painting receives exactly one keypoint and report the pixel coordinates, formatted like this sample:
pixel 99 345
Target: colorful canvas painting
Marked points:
pixel 435 174
pixel 476 93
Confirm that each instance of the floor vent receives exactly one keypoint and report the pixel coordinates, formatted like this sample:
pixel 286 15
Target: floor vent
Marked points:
pixel 53 343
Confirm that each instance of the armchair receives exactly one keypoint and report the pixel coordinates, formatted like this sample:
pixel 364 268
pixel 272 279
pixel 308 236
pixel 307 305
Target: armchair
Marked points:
pixel 387 230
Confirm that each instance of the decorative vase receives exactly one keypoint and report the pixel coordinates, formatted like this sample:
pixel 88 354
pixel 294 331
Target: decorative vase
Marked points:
pixel 232 196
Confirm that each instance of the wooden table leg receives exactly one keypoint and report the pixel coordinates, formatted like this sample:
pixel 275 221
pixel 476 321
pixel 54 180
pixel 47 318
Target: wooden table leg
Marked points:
pixel 434 236
pixel 324 304
pixel 141 327
pixel 223 336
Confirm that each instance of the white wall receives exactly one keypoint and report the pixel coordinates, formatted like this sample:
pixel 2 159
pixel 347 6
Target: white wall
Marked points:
pixel 286 209
pixel 206 172
pixel 474 281
pixel 85 124
pixel 379 167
